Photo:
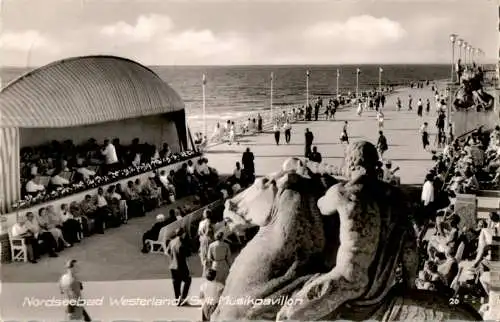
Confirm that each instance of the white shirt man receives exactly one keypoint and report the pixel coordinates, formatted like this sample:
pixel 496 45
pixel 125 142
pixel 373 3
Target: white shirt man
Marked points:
pixel 109 153
pixel 33 187
pixel 86 173
pixel 164 181
pixel 101 201
pixel 237 173
pixel 19 229
pixel 190 169
pixel 57 180
pixel 427 193
pixel 65 215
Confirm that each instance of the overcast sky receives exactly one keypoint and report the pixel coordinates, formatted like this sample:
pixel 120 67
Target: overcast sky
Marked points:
pixel 205 32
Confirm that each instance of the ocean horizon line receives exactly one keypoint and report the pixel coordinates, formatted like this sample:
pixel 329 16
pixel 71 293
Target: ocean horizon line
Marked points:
pixel 272 65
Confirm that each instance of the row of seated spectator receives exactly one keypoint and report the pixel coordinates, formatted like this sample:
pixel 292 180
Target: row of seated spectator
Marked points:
pixel 452 245
pixel 59 164
pixel 113 205
pixel 224 189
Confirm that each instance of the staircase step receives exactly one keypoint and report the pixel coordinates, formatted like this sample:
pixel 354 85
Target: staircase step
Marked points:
pixel 488 193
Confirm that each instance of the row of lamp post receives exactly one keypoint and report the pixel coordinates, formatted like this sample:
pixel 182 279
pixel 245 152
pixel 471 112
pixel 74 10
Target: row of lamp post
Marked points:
pixel 308 74
pixel 466 53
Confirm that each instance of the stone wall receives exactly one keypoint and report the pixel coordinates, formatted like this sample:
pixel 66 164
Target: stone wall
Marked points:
pixel 465 121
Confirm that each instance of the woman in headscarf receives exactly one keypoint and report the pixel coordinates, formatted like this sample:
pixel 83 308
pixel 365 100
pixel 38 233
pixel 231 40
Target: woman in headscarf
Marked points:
pixel 219 255
pixel 205 234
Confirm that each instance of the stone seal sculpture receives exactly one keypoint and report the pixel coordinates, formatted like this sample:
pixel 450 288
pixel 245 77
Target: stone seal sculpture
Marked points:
pixel 288 245
pixel 375 239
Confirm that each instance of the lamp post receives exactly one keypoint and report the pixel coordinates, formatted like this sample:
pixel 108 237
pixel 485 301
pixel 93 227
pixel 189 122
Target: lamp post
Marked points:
pixel 464 46
pixel 338 76
pixel 307 88
pixel 272 81
pixel 469 50
pixel 204 83
pixel 453 38
pixel 357 82
pixel 459 44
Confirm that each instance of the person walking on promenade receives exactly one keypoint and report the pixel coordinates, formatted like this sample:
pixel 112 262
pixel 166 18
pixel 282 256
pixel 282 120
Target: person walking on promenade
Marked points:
pixel 247 160
pixel 410 100
pixel 210 292
pixel 206 237
pixel 317 105
pixel 451 137
pixel 344 138
pixel 219 255
pixel 427 106
pixel 360 107
pixel 425 135
pixel 382 100
pixel 178 251
pixel 420 107
pixel 309 138
pixel 259 123
pixel 440 122
pixel 382 145
pixel 398 104
pixel 380 120
pixel 276 130
pixel 232 133
pixel 287 127
pixel 71 288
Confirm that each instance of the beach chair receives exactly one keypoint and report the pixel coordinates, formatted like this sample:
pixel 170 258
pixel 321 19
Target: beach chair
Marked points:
pixel 18 248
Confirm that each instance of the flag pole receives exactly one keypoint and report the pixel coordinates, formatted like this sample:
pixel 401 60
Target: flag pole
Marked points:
pixel 272 111
pixel 204 106
pixel 307 88
pixel 338 76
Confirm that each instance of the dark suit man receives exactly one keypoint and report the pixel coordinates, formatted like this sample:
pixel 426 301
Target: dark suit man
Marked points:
pixel 309 141
pixel 248 166
pixel 178 251
pixel 315 156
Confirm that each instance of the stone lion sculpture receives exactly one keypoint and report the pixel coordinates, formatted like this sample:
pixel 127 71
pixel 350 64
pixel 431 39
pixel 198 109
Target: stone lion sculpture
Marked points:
pixel 344 268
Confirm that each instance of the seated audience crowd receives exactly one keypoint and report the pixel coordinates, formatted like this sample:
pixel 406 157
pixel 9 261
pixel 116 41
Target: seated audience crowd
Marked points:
pixel 455 254
pixel 57 169
pixel 51 230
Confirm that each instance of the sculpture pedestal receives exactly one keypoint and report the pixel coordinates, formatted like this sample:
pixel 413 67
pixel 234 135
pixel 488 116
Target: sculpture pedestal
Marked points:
pixel 494 296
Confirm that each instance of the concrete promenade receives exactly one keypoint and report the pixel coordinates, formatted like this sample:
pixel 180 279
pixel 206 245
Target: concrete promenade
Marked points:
pixel 400 128
pixel 112 266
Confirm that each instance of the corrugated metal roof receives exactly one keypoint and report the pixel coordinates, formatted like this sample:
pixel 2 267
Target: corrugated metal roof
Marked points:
pixel 85 90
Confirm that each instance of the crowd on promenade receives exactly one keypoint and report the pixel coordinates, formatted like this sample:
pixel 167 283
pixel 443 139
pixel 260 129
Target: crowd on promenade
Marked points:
pixel 50 230
pixel 57 169
pixel 465 165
